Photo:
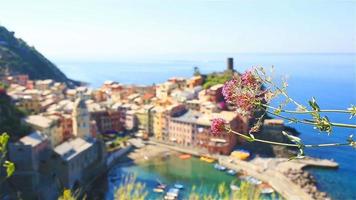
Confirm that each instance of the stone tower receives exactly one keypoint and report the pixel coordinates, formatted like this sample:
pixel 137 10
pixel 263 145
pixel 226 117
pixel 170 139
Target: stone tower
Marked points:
pixel 230 64
pixel 80 118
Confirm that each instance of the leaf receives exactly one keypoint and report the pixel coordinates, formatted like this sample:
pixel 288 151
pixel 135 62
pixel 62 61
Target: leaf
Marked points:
pixel 300 154
pixel 352 109
pixel 4 138
pixel 314 105
pixel 10 168
pixel 292 138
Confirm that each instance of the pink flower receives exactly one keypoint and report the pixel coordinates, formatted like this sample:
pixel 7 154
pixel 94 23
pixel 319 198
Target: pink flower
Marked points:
pixel 245 100
pixel 230 89
pixel 218 126
pixel 245 92
pixel 249 79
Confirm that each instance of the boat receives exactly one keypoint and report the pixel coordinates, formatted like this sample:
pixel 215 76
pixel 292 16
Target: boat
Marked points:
pixel 172 194
pixel 185 156
pixel 162 186
pixel 219 167
pixel 267 191
pixel 252 180
pixel 240 154
pixel 207 159
pixel 234 187
pixel 231 172
pixel 178 186
pixel 158 190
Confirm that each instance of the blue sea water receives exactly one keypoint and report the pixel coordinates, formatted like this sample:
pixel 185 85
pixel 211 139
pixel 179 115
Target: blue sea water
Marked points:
pixel 330 78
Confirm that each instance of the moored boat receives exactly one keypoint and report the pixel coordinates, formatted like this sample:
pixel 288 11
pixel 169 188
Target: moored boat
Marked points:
pixel 207 159
pixel 219 167
pixel 234 187
pixel 172 194
pixel 185 156
pixel 267 191
pixel 158 190
pixel 231 172
pixel 252 180
pixel 178 186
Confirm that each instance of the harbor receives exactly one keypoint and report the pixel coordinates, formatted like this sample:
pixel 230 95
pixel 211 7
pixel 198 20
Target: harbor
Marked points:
pixel 271 171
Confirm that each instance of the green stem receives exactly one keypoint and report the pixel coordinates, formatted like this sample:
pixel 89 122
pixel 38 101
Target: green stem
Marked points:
pixel 326 145
pixel 286 144
pixel 310 122
pixel 307 111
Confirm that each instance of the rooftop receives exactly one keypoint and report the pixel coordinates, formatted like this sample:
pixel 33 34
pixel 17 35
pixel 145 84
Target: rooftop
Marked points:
pixel 189 117
pixel 39 120
pixel 69 149
pixel 33 139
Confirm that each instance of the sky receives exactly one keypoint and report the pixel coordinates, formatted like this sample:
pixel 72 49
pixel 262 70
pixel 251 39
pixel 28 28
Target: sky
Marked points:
pixel 104 29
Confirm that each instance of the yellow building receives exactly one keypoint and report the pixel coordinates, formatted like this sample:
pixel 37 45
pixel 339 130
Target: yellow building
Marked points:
pixel 144 118
pixel 159 122
pixel 30 103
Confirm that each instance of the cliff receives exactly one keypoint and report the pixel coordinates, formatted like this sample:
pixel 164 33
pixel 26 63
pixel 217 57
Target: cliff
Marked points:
pixel 16 57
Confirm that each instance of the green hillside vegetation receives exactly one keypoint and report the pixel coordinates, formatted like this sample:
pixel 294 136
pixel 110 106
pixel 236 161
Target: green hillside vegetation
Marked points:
pixel 217 78
pixel 10 119
pixel 16 57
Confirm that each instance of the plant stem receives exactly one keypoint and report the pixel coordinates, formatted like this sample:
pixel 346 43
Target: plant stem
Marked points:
pixel 311 122
pixel 307 111
pixel 326 145
pixel 286 144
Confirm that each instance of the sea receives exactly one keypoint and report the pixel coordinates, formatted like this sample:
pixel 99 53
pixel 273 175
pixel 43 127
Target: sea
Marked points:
pixel 329 78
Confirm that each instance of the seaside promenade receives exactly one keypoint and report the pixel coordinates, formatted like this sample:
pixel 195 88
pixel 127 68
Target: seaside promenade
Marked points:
pixel 269 170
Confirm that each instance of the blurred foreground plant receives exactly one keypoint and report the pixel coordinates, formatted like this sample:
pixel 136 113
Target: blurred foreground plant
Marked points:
pixel 246 191
pixel 255 89
pixel 7 165
pixel 131 189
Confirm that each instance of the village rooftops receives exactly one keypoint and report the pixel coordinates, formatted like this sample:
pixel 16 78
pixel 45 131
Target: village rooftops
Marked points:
pixel 39 121
pixel 33 139
pixel 189 117
pixel 70 149
pixel 207 118
pixel 46 82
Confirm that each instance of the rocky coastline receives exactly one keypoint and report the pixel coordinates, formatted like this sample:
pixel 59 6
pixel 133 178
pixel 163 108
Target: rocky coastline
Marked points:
pixel 307 182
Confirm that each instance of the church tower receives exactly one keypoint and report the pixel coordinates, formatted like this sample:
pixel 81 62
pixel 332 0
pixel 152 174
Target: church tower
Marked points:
pixel 80 118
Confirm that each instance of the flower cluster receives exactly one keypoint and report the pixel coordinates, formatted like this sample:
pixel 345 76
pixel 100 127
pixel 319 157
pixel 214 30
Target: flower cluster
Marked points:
pixel 244 92
pixel 248 79
pixel 218 126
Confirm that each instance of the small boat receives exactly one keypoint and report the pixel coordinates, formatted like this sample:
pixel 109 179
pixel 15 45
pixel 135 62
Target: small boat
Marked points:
pixel 219 167
pixel 234 187
pixel 158 190
pixel 161 186
pixel 231 172
pixel 267 191
pixel 169 197
pixel 252 180
pixel 185 156
pixel 172 194
pixel 178 186
pixel 207 159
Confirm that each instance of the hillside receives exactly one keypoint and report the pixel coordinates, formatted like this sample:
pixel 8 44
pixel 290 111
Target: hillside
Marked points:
pixel 16 57
pixel 10 118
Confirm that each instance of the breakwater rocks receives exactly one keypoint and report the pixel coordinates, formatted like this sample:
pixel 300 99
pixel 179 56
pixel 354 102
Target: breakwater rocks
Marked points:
pixel 307 182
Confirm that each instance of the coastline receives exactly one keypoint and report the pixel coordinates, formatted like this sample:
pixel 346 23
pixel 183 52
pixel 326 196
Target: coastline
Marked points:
pixel 280 173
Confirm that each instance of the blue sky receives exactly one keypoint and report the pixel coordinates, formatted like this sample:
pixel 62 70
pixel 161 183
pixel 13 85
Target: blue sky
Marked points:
pixel 102 29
